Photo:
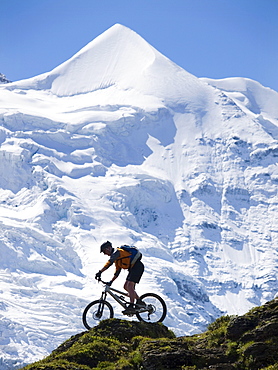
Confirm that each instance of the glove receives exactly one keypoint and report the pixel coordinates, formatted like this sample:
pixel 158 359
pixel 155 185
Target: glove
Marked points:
pixel 98 275
pixel 109 283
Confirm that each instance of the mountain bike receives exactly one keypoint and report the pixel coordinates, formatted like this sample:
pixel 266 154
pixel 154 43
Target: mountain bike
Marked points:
pixel 153 309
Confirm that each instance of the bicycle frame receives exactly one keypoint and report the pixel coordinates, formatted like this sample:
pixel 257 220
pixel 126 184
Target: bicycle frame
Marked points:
pixel 111 291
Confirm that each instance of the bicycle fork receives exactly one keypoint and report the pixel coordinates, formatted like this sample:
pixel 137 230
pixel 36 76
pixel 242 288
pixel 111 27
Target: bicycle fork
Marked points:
pixel 101 305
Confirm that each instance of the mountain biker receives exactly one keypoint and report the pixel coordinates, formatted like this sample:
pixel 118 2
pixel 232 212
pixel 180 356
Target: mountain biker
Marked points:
pixel 135 268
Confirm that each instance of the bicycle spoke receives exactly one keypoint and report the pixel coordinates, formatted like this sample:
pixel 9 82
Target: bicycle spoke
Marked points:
pixel 95 312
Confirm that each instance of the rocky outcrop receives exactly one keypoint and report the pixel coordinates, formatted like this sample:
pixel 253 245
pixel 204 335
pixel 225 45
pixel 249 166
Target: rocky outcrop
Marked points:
pixel 248 342
pixel 3 79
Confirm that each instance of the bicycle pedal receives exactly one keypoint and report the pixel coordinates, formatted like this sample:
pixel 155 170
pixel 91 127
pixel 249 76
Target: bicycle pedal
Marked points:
pixel 128 313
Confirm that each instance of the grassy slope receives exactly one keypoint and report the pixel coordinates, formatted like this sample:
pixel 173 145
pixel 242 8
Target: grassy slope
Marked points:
pixel 239 342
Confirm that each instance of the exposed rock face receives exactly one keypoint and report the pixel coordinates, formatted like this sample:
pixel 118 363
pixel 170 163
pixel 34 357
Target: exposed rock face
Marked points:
pixel 248 342
pixel 3 79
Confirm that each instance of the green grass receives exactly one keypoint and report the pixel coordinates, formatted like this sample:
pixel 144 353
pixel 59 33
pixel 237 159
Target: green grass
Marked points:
pixel 242 341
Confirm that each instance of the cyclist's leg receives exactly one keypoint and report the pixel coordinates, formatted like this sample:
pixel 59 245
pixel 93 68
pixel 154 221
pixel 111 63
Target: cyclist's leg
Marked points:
pixel 130 288
pixel 134 276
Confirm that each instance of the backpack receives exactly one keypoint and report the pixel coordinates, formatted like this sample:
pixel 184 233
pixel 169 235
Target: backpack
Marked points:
pixel 135 254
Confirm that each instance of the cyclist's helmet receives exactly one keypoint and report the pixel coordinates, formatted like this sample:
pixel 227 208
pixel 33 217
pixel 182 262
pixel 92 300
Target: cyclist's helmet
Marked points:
pixel 105 245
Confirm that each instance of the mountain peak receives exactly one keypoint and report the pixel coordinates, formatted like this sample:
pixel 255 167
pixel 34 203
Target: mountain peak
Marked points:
pixel 117 58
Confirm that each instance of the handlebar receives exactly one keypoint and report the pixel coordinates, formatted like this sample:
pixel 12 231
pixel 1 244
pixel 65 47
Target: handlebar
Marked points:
pixel 103 282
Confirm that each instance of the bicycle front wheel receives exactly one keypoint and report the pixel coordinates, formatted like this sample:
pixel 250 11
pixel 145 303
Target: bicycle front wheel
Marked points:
pixel 155 310
pixel 95 312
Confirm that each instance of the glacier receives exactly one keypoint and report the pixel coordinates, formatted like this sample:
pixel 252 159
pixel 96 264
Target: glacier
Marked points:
pixel 120 143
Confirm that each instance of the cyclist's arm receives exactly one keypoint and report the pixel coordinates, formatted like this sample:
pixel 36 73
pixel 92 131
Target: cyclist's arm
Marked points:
pixel 117 273
pixel 110 262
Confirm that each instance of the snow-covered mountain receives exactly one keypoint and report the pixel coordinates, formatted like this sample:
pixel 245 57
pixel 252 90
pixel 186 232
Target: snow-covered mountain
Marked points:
pixel 119 143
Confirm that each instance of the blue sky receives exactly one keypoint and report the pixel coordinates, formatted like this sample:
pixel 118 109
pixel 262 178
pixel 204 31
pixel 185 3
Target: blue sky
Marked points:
pixel 208 38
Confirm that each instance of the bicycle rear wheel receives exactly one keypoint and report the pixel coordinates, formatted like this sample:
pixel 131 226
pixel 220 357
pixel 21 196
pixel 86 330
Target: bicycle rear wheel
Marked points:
pixel 156 309
pixel 95 312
